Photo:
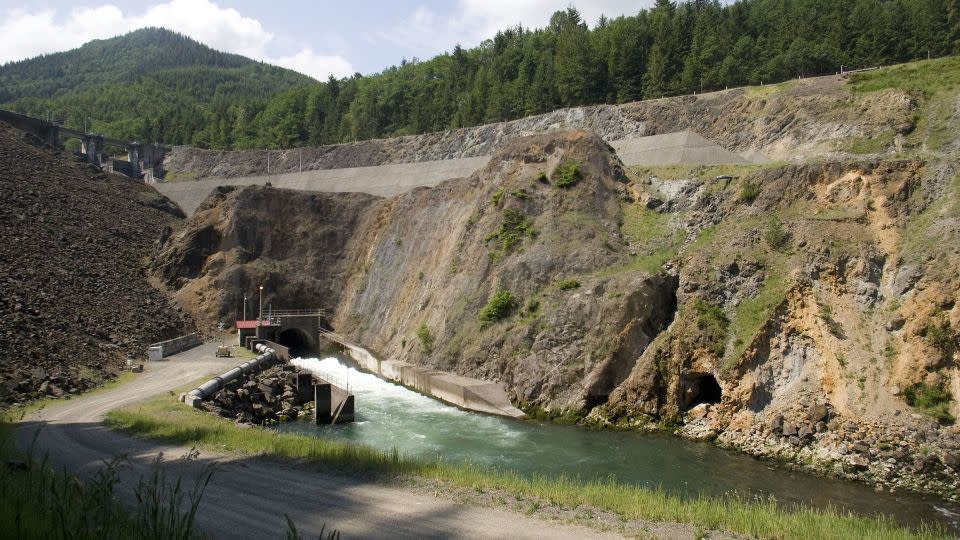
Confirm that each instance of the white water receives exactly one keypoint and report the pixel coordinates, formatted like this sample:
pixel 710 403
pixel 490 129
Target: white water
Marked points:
pixel 390 416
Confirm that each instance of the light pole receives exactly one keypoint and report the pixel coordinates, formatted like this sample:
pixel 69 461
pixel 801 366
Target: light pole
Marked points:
pixel 260 313
pixel 244 306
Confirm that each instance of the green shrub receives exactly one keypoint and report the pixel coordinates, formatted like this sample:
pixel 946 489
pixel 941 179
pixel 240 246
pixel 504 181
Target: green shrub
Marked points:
pixel 568 284
pixel 749 192
pixel 520 193
pixel 511 232
pixel 497 197
pixel 713 322
pixel 566 175
pixel 932 400
pixel 499 307
pixel 426 339
pixel 776 235
pixel 941 336
pixel 542 178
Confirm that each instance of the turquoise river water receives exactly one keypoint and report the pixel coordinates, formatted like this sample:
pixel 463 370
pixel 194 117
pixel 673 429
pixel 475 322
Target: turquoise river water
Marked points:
pixel 390 416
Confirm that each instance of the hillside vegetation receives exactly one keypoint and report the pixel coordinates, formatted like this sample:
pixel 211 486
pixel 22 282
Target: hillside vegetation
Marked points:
pixel 151 84
pixel 160 86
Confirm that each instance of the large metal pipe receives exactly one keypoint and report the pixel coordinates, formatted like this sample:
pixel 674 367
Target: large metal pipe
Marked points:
pixel 207 389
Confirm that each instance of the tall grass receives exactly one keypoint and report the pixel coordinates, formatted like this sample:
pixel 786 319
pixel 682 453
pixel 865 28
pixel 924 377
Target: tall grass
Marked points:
pixel 37 501
pixel 166 420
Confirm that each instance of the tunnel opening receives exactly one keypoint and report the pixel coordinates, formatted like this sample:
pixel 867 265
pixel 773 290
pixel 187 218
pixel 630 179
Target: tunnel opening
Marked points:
pixel 701 389
pixel 299 343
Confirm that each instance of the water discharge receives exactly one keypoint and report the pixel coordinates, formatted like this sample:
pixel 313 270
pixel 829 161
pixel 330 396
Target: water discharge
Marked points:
pixel 390 416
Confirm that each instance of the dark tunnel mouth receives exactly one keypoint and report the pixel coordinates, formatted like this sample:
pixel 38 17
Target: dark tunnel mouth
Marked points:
pixel 298 342
pixel 702 389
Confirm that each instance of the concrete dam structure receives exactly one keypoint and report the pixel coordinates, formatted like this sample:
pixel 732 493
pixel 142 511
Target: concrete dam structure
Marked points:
pixel 684 147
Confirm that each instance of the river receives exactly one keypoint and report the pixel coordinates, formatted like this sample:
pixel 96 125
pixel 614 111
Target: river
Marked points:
pixel 390 416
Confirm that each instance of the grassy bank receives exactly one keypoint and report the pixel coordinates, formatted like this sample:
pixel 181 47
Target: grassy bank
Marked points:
pixel 165 419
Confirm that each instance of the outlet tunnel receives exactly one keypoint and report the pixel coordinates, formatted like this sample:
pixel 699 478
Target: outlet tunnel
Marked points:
pixel 300 343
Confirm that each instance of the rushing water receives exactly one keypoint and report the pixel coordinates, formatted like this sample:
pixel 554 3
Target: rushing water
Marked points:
pixel 391 416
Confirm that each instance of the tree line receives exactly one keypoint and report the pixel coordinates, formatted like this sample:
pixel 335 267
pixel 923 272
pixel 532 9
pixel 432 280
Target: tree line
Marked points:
pixel 670 49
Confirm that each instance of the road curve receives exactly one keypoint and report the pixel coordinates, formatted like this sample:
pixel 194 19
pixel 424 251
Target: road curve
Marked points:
pixel 249 496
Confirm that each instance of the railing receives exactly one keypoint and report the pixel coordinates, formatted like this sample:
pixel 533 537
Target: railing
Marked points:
pixel 293 312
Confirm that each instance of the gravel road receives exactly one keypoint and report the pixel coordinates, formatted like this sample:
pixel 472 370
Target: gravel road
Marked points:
pixel 249 496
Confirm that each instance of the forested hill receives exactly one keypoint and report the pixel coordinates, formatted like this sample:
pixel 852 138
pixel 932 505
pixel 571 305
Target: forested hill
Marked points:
pixel 151 84
pixel 673 48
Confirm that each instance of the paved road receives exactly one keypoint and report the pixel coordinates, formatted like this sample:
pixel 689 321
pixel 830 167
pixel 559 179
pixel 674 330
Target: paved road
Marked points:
pixel 249 496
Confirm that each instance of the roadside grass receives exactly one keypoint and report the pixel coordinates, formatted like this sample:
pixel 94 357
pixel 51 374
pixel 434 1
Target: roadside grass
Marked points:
pixel 38 501
pixel 164 419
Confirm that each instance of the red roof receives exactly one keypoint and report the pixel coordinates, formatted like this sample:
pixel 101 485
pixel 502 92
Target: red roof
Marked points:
pixel 248 325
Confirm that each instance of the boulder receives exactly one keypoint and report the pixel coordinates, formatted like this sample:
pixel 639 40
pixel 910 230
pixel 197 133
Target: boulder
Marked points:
pixel 858 462
pixel 818 412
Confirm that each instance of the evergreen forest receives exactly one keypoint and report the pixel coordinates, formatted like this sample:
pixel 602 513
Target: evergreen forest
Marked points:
pixel 155 85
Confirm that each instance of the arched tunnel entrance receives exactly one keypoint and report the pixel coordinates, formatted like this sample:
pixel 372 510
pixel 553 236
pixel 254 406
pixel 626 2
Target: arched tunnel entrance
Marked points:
pixel 299 343
pixel 699 389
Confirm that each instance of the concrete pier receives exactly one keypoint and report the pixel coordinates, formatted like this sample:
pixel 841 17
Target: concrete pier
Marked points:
pixel 333 404
pixel 464 392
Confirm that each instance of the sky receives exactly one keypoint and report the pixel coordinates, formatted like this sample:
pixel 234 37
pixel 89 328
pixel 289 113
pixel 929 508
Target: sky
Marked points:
pixel 318 38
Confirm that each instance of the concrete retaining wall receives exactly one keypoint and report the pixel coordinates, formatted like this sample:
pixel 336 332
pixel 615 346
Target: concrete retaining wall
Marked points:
pixel 465 392
pixel 674 149
pixel 385 180
pixel 178 344
pixel 683 147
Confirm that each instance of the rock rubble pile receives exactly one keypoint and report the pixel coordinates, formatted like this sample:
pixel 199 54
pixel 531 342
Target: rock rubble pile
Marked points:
pixel 262 398
pixel 76 299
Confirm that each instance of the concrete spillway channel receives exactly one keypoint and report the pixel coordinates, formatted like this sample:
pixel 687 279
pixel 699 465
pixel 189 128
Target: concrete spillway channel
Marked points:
pixel 333 404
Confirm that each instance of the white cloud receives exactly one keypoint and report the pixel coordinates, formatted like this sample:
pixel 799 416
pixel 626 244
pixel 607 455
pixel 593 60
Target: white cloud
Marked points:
pixel 307 62
pixel 472 21
pixel 24 34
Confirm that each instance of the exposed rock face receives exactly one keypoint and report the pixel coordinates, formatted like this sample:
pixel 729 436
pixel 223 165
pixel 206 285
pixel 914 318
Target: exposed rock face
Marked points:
pixel 784 123
pixel 292 242
pixel 431 259
pixel 813 334
pixel 76 298
pixel 791 313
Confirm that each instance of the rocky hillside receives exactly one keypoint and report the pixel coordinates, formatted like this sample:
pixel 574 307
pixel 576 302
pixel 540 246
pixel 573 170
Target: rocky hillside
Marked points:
pixel 296 244
pixel 806 312
pixel 782 122
pixel 818 319
pixel 76 296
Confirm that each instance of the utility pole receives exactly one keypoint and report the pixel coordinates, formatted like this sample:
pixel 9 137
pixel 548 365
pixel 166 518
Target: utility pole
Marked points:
pixel 301 160
pixel 244 306
pixel 260 311
pixel 268 168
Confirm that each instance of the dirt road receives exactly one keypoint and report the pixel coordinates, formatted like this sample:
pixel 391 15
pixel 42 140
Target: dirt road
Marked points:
pixel 249 496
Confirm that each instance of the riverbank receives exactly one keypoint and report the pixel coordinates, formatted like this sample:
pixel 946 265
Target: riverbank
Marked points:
pixel 165 420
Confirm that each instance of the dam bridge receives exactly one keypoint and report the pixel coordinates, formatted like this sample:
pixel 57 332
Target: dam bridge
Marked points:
pixel 143 160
